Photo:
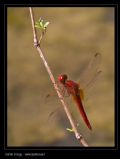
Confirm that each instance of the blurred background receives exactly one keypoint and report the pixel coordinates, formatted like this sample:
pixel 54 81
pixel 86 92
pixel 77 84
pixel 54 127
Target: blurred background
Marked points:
pixel 73 36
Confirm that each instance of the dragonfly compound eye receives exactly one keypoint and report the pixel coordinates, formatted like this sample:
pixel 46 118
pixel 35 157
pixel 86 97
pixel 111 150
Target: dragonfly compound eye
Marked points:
pixel 62 78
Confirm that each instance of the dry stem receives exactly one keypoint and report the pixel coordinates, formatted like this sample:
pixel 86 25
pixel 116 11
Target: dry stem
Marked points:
pixel 36 44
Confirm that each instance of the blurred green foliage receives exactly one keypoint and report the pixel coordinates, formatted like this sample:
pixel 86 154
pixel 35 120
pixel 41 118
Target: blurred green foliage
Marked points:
pixel 74 34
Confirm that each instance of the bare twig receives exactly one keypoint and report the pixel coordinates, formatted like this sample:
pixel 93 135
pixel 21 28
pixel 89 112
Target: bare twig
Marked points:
pixel 36 44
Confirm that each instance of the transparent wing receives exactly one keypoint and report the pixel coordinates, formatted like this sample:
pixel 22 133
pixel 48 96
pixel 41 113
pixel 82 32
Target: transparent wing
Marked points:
pixel 87 78
pixel 91 73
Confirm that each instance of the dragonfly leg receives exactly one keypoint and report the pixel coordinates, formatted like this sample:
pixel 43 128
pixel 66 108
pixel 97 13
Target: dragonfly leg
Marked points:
pixel 65 92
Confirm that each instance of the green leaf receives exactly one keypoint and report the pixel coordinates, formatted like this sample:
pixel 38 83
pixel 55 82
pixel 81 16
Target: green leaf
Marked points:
pixel 68 129
pixel 41 24
pixel 46 24
pixel 37 25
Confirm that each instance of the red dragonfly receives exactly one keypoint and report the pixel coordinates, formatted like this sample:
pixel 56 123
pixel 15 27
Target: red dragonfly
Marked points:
pixel 77 90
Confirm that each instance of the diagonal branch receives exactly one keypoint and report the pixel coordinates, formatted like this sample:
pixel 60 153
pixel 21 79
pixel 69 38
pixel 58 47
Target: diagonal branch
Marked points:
pixel 78 136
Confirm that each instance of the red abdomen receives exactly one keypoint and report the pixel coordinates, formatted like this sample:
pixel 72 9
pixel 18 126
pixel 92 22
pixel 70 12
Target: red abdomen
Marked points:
pixel 81 110
pixel 73 89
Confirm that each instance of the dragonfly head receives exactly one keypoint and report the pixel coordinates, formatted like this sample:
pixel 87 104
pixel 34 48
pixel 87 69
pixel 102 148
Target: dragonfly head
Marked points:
pixel 62 78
